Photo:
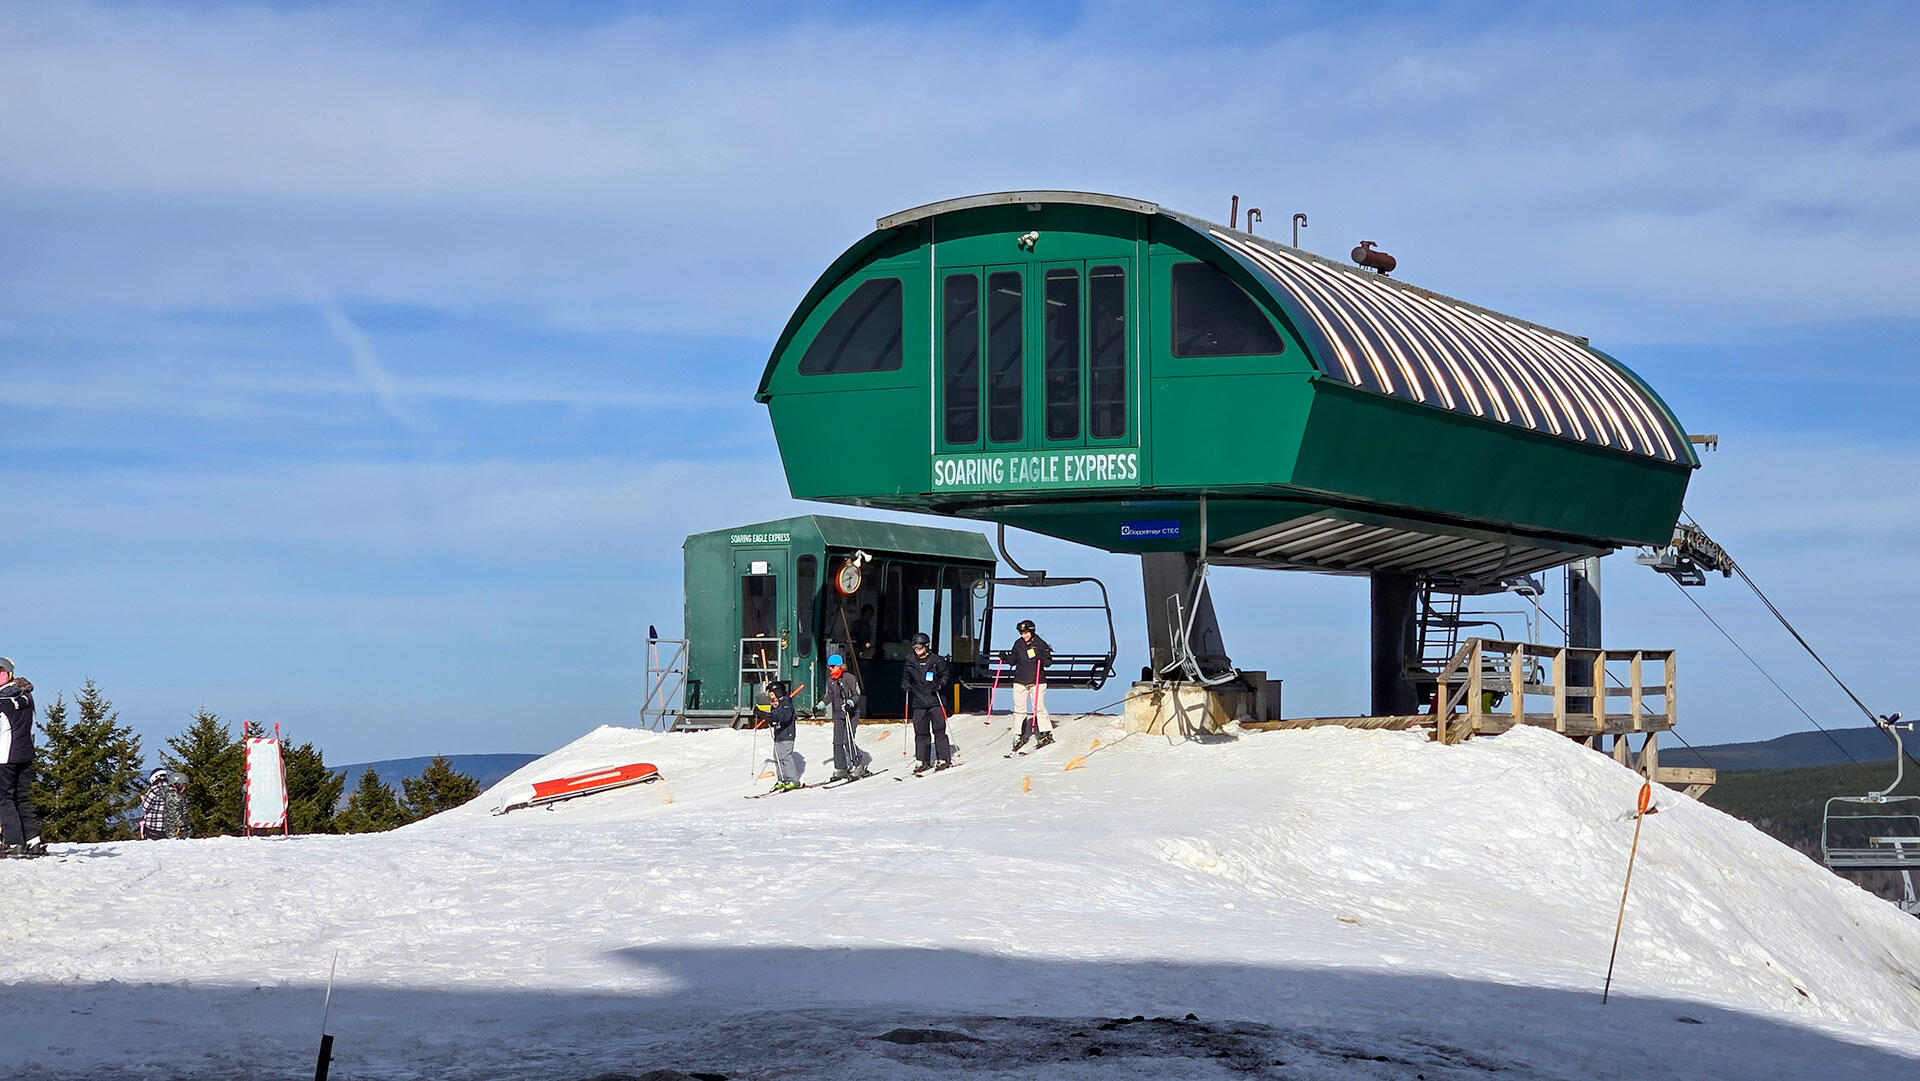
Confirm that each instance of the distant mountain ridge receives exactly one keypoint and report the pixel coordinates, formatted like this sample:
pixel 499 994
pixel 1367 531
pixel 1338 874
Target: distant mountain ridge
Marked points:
pixel 488 769
pixel 1792 751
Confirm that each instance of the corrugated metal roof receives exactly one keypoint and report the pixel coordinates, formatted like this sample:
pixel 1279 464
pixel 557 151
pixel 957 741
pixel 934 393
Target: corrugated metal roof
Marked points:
pixel 1407 342
pixel 1337 545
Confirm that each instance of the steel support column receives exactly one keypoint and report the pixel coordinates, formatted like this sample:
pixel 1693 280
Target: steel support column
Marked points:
pixel 1583 629
pixel 1395 640
pixel 1164 576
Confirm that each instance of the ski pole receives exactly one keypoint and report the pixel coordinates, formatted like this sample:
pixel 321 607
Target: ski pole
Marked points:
pixel 1646 800
pixel 325 1061
pixel 991 691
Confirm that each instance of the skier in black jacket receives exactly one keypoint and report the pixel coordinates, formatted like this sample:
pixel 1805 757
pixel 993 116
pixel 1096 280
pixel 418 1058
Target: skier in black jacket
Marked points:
pixel 1029 658
pixel 924 677
pixel 781 718
pixel 19 826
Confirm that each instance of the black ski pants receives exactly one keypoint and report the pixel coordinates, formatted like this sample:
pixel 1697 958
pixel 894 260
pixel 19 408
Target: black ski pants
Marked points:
pixel 18 823
pixel 846 756
pixel 930 735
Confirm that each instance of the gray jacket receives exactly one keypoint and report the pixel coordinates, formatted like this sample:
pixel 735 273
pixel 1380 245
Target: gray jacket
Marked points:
pixel 844 695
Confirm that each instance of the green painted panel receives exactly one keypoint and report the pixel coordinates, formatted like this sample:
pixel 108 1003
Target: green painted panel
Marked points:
pixel 1228 430
pixel 1369 448
pixel 853 445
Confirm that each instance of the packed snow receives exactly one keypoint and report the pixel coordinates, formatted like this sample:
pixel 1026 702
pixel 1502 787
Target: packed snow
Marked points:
pixel 1309 904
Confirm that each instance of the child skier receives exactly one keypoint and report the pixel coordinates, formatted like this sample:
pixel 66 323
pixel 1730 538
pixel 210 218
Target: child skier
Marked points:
pixel 847 703
pixel 1029 658
pixel 780 717
pixel 163 809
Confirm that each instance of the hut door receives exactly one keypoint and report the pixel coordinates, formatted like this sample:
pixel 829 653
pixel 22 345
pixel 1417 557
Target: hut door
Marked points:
pixel 1081 369
pixel 762 630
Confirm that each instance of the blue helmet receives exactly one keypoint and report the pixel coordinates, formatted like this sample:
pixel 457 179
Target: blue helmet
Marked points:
pixel 834 661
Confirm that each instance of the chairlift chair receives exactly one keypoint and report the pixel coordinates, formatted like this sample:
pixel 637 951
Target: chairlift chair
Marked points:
pixel 1068 671
pixel 1878 831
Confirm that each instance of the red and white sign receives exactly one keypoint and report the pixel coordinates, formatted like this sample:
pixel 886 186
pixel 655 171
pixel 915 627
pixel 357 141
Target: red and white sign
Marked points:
pixel 266 783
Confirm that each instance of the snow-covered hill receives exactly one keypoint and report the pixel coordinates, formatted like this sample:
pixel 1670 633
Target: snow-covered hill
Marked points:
pixel 1324 903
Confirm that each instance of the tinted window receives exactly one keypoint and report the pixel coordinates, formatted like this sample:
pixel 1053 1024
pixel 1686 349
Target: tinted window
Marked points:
pixel 806 583
pixel 1214 317
pixel 1107 351
pixel 960 312
pixel 1063 354
pixel 1006 331
pixel 862 335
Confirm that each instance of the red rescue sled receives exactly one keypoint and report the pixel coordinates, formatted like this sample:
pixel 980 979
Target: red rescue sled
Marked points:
pixel 586 784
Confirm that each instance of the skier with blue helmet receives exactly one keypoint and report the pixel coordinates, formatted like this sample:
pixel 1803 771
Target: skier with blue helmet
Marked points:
pixel 843 695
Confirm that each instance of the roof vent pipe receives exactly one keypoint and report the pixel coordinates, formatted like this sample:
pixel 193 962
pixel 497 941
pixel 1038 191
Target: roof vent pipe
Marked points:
pixel 1367 256
pixel 1253 215
pixel 1299 223
pixel 1233 215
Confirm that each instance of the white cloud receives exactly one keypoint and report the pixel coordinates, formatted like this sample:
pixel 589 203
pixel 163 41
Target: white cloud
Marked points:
pixel 1639 176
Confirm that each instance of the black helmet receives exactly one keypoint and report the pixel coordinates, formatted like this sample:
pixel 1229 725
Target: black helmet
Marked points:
pixel 921 639
pixel 777 686
pixel 1024 626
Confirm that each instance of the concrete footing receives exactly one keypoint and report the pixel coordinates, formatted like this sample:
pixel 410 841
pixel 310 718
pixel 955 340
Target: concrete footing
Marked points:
pixel 1186 709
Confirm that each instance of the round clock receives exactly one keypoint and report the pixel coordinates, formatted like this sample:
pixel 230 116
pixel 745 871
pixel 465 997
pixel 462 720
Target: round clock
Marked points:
pixel 848 580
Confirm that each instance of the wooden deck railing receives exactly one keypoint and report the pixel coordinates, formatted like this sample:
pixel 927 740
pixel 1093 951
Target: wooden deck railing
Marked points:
pixel 1484 669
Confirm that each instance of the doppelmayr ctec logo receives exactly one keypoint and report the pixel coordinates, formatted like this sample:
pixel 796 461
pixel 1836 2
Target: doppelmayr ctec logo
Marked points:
pixel 1160 530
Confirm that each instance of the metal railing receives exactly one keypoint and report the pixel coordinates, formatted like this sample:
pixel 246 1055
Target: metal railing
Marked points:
pixel 666 683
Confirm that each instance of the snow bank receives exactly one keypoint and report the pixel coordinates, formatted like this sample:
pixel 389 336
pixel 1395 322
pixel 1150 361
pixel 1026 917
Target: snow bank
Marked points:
pixel 1267 877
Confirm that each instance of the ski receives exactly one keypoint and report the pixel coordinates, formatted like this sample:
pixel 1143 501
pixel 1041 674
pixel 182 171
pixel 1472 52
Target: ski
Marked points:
pixel 850 780
pixel 784 791
pixel 928 772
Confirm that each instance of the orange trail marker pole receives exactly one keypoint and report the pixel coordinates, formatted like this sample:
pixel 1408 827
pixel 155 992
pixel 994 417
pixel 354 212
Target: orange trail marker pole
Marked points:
pixel 1640 816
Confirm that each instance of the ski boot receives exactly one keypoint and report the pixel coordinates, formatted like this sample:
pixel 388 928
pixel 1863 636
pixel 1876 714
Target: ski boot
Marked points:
pixel 921 767
pixel 1019 743
pixel 1045 738
pixel 861 773
pixel 944 763
pixel 840 775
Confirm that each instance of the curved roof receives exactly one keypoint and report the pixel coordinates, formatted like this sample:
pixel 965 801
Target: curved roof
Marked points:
pixel 1386 336
pixel 1411 343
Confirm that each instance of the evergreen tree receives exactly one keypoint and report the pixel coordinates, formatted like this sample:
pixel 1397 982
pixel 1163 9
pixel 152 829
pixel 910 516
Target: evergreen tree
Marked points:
pixel 438 788
pixel 90 771
pixel 313 790
pixel 372 808
pixel 54 733
pixel 213 761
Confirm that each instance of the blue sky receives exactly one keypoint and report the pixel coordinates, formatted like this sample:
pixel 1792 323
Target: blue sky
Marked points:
pixel 362 366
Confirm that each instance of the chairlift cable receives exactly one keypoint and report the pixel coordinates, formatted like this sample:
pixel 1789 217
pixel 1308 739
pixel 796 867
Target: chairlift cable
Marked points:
pixel 1762 670
pixel 1777 614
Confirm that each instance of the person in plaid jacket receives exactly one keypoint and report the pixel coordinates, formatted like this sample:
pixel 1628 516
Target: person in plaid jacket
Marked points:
pixel 163 808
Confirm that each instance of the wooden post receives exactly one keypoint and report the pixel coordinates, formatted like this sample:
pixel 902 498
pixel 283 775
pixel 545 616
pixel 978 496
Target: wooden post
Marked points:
pixel 1476 692
pixel 1638 700
pixel 1600 709
pixel 1671 715
pixel 1517 677
pixel 1560 689
pixel 1650 756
